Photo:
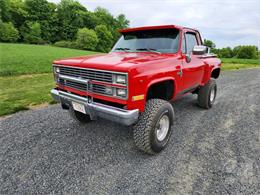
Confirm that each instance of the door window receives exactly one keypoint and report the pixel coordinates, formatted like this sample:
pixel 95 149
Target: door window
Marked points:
pixel 184 49
pixel 191 41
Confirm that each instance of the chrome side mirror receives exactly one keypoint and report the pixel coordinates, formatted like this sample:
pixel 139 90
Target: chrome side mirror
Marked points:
pixel 200 49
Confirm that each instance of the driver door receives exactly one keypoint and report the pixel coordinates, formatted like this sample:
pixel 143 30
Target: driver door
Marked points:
pixel 192 65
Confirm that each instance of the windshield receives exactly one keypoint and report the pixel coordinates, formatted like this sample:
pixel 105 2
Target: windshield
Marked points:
pixel 159 41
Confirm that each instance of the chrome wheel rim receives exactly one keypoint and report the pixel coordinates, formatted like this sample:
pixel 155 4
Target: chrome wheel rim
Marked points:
pixel 162 127
pixel 212 94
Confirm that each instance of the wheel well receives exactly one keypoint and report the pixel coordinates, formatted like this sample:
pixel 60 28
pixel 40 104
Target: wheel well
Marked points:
pixel 161 90
pixel 215 73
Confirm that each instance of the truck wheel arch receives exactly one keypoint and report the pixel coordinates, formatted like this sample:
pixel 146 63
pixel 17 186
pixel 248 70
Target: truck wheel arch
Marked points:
pixel 215 73
pixel 165 92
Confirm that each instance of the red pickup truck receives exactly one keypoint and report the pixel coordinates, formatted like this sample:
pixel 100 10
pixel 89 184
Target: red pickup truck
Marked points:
pixel 133 84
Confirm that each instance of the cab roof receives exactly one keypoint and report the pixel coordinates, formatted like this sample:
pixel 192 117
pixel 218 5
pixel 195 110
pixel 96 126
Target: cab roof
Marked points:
pixel 154 27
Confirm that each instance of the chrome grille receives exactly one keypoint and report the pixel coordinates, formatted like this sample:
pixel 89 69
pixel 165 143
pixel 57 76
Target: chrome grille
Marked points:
pixel 98 88
pixel 95 88
pixel 72 84
pixel 86 74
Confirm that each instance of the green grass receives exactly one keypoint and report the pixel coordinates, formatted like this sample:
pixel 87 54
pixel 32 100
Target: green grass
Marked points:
pixel 21 92
pixel 227 66
pixel 240 61
pixel 25 74
pixel 17 59
pixel 236 64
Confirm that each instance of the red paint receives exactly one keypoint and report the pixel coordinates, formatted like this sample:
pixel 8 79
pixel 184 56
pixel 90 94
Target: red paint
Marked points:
pixel 146 68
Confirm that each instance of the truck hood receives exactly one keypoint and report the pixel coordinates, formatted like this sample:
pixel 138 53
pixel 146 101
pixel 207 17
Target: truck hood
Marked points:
pixel 116 61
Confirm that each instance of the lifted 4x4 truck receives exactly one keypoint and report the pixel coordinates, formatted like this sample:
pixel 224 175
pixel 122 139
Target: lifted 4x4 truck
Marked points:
pixel 133 84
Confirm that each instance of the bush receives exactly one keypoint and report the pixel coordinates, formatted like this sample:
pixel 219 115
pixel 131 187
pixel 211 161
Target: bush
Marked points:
pixel 247 52
pixel 87 39
pixel 225 52
pixel 8 33
pixel 66 44
pixel 33 33
pixel 105 38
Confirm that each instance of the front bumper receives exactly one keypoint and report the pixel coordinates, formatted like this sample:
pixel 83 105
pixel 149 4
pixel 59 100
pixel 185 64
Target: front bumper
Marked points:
pixel 94 109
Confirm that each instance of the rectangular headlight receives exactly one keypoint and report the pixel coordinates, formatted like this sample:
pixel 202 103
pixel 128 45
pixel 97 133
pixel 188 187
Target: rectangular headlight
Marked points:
pixel 120 79
pixel 56 69
pixel 121 92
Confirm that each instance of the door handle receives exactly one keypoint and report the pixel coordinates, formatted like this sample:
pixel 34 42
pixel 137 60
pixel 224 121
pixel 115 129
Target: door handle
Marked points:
pixel 180 73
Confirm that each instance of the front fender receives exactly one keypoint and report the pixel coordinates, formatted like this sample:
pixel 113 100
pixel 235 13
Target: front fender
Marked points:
pixel 158 80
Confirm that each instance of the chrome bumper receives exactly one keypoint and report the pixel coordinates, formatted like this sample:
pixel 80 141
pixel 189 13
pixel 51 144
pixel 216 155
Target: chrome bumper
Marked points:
pixel 94 109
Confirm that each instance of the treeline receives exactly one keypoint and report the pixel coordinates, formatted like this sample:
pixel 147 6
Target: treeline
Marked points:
pixel 242 51
pixel 66 24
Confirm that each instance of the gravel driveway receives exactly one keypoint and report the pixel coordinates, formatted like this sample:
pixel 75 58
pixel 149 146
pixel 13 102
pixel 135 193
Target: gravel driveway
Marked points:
pixel 213 151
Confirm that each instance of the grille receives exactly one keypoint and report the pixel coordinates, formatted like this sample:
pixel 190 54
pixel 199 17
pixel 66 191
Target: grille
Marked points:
pixel 95 88
pixel 98 89
pixel 72 84
pixel 87 74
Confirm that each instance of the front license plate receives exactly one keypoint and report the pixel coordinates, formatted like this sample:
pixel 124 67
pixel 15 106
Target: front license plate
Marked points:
pixel 79 107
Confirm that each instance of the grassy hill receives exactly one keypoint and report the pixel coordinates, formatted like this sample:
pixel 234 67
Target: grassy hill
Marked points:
pixel 26 74
pixel 17 59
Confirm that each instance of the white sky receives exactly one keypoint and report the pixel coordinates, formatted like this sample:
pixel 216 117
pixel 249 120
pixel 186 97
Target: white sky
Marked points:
pixel 227 23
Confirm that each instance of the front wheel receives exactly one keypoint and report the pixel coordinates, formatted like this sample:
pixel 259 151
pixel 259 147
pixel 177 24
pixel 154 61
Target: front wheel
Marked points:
pixel 153 130
pixel 207 94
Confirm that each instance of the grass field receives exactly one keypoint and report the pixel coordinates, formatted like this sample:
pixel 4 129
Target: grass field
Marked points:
pixel 235 64
pixel 17 59
pixel 26 75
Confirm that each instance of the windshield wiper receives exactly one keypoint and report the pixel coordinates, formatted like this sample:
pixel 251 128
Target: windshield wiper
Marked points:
pixel 148 49
pixel 122 48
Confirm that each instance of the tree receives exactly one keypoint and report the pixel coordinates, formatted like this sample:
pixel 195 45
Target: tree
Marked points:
pixel 103 16
pixel 247 52
pixel 18 14
pixel 235 50
pixel 122 22
pixel 8 33
pixel 33 34
pixel 5 15
pixel 71 18
pixel 44 13
pixel 87 39
pixel 105 38
pixel 226 52
pixel 209 44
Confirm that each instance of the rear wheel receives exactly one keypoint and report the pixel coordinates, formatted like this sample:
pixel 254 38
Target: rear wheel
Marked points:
pixel 207 94
pixel 153 130
pixel 79 117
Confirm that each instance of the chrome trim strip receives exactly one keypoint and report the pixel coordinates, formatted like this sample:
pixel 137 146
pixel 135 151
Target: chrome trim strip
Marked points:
pixel 84 81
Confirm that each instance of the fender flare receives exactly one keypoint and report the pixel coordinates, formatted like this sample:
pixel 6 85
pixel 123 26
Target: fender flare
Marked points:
pixel 154 81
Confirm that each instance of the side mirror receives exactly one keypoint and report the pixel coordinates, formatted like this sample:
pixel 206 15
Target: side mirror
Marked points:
pixel 200 49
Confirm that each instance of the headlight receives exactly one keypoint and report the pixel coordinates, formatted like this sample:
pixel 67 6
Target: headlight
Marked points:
pixel 56 69
pixel 121 92
pixel 120 79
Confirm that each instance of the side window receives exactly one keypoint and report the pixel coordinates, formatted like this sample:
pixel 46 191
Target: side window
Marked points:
pixel 191 41
pixel 184 49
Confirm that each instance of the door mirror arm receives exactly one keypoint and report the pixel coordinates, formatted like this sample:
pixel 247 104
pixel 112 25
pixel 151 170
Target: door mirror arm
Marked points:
pixel 188 57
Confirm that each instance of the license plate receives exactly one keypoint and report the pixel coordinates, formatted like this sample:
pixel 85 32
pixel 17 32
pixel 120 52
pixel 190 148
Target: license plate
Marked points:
pixel 79 107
